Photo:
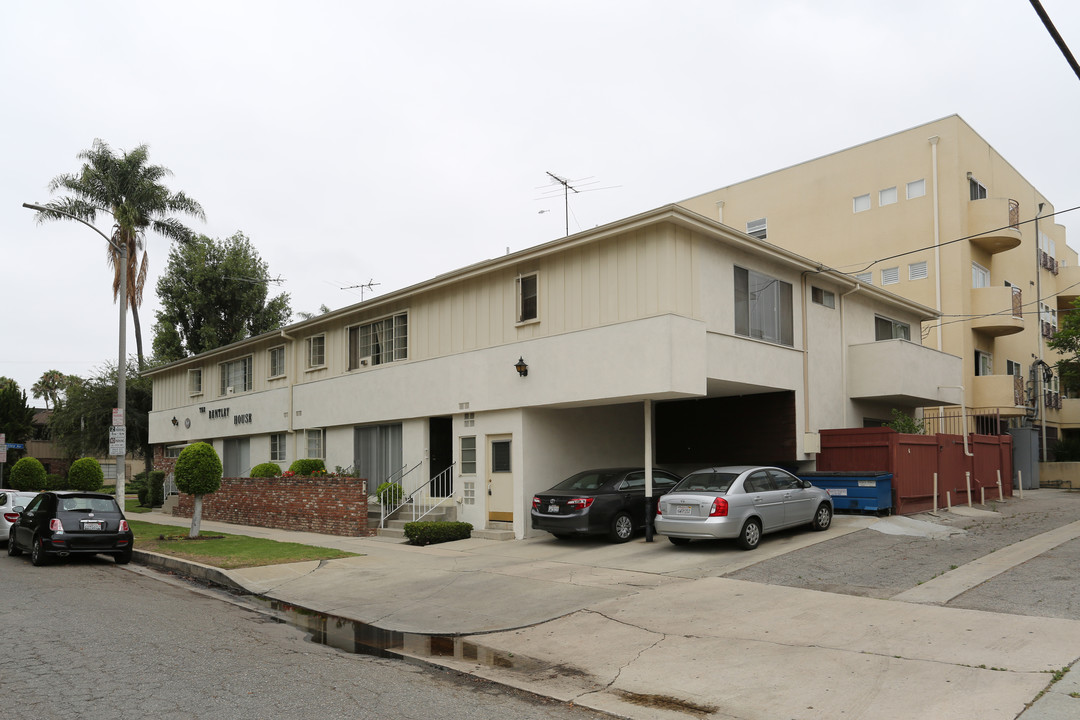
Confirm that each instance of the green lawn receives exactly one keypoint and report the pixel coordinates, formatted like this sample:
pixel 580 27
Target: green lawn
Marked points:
pixel 225 551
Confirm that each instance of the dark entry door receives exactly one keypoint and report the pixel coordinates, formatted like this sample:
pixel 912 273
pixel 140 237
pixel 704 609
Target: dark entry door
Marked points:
pixel 441 456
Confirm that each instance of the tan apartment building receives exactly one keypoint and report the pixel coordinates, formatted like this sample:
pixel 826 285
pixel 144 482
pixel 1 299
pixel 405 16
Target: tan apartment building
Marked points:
pixel 663 338
pixel 936 215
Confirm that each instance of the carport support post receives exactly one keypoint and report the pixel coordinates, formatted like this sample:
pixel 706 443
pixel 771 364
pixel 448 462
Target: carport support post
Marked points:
pixel 649 511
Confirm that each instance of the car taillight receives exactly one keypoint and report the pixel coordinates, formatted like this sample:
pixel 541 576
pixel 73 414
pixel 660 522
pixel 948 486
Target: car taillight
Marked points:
pixel 659 511
pixel 719 508
pixel 11 517
pixel 580 503
pixel 536 503
pixel 124 526
pixel 56 526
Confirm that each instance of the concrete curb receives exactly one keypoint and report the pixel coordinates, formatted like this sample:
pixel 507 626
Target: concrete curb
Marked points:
pixel 207 573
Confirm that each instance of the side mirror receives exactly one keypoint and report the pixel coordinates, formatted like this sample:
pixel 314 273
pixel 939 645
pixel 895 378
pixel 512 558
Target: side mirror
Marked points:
pixel 18 509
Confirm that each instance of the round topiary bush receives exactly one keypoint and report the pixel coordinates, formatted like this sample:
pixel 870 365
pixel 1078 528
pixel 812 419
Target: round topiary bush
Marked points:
pixel 307 466
pixel 85 474
pixel 198 469
pixel 27 474
pixel 266 470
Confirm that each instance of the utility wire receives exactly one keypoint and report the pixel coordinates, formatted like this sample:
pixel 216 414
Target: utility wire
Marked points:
pixel 1057 36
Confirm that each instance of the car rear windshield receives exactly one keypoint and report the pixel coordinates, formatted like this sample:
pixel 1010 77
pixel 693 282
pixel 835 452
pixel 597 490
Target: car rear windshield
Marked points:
pixel 706 481
pixel 87 504
pixel 589 480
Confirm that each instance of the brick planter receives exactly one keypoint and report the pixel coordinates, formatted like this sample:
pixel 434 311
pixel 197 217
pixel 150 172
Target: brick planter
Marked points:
pixel 328 505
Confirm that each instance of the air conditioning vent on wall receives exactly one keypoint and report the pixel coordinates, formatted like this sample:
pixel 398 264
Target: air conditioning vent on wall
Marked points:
pixel 365 361
pixel 229 390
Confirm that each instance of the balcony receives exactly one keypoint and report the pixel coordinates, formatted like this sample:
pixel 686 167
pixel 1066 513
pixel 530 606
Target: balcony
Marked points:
pixel 997 310
pixel 1068 286
pixel 1068 415
pixel 902 373
pixel 1004 393
pixel 996 224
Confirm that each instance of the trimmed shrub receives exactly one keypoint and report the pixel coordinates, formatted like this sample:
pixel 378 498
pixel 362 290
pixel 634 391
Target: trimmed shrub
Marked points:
pixel 198 469
pixel 156 488
pixel 438 531
pixel 85 474
pixel 306 467
pixel 389 493
pixel 265 470
pixel 27 474
pixel 56 482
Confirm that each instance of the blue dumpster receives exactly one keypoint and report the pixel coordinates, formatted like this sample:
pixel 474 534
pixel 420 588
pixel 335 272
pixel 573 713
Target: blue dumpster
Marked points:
pixel 858 491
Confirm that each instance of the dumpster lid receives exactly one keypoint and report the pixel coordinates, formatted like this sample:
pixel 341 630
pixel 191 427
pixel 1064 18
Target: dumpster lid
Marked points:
pixel 875 474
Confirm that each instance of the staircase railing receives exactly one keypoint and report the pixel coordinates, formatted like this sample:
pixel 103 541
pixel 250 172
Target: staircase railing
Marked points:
pixel 415 495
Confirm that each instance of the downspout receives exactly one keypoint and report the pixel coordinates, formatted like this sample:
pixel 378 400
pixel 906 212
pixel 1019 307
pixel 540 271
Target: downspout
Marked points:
pixel 937 233
pixel 963 414
pixel 844 347
pixel 291 373
pixel 805 361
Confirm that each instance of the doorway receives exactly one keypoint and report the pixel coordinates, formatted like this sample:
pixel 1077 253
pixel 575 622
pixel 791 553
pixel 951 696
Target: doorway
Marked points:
pixel 440 456
pixel 500 480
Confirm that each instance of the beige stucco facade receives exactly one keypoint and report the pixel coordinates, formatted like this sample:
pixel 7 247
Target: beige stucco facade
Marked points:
pixel 643 314
pixel 898 213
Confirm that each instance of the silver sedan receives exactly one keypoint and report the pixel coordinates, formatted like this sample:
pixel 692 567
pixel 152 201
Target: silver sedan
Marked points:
pixel 741 502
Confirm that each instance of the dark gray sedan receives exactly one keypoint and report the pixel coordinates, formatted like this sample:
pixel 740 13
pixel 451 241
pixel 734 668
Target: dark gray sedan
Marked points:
pixel 740 502
pixel 609 501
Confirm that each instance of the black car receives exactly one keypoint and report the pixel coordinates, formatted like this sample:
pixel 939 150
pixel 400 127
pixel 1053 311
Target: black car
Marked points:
pixel 58 524
pixel 609 501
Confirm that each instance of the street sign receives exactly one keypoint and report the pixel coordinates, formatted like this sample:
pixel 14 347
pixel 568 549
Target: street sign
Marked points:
pixel 118 440
pixel 14 446
pixel 3 448
pixel 117 417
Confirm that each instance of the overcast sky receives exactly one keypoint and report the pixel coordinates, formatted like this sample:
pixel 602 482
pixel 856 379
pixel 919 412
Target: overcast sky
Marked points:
pixel 394 141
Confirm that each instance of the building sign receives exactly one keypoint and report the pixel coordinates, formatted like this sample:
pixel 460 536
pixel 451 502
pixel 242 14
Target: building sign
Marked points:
pixel 218 413
pixel 241 419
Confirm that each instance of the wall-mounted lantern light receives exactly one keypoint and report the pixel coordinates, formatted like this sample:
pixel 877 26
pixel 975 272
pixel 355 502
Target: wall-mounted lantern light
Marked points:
pixel 175 422
pixel 521 367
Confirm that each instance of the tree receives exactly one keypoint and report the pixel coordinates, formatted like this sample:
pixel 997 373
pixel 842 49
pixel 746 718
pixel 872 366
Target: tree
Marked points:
pixel 1067 342
pixel 197 472
pixel 85 474
pixel 903 423
pixel 214 292
pixel 81 419
pixel 16 418
pixel 49 386
pixel 304 315
pixel 129 189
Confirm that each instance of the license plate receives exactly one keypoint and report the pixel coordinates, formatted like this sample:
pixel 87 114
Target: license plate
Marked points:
pixel 92 525
pixel 553 508
pixel 684 510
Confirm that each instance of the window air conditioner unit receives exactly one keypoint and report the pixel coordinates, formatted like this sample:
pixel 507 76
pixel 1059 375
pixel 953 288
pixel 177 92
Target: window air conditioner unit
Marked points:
pixel 229 390
pixel 365 361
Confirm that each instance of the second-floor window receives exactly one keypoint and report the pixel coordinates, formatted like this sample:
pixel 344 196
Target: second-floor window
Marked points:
pixel 195 381
pixel 763 307
pixel 316 347
pixel 379 342
pixel 527 287
pixel 236 375
pixel 277 361
pixel 889 329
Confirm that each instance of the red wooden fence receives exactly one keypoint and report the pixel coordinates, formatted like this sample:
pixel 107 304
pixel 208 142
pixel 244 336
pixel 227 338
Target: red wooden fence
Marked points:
pixel 913 460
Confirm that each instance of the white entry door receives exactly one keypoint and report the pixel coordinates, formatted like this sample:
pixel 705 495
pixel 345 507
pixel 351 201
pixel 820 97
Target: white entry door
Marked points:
pixel 500 480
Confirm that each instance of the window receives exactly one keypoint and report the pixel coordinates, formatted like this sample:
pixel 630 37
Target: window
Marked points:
pixel 316 351
pixel 277 361
pixel 236 375
pixel 861 202
pixel 984 363
pixel 195 381
pixel 890 276
pixel 978 191
pixel 277 447
pixel 468 456
pixel 379 342
pixel 980 276
pixel 916 189
pixel 886 196
pixel 315 444
pixel 763 308
pixel 173 451
pixel 757 228
pixel 917 270
pixel 866 278
pixel 470 419
pixel 823 297
pixel 889 329
pixel 526 298
pixel 1047 244
pixel 500 456
pixel 1014 368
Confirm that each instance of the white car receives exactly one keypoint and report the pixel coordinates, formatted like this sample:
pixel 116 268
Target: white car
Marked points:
pixel 9 500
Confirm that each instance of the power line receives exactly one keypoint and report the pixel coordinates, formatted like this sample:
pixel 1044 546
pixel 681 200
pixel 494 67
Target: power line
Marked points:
pixel 1060 41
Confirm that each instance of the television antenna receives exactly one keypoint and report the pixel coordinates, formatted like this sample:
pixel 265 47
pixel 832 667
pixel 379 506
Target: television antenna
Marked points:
pixel 369 286
pixel 564 185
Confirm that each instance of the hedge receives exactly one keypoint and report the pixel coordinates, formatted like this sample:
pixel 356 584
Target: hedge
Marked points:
pixel 429 532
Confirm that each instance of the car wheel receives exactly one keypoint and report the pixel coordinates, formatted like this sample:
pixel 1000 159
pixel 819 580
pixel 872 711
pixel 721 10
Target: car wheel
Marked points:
pixel 750 535
pixel 37 553
pixel 622 528
pixel 679 541
pixel 12 549
pixel 124 557
pixel 823 517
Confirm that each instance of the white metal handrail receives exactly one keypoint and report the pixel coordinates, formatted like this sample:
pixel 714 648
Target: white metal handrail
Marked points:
pixel 420 501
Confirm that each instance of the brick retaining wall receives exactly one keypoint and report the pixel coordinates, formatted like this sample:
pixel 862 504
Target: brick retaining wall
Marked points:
pixel 328 505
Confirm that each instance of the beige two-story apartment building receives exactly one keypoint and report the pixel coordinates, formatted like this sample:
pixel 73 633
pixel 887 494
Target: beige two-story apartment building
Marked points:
pixel 664 338
pixel 936 215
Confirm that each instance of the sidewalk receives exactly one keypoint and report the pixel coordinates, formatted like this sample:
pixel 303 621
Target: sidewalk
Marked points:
pixel 654 631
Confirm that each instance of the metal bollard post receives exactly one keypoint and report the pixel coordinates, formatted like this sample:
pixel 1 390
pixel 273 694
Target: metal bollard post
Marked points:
pixel 968 474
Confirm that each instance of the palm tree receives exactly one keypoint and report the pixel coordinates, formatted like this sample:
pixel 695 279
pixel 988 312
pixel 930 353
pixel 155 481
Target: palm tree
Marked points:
pixel 49 386
pixel 129 189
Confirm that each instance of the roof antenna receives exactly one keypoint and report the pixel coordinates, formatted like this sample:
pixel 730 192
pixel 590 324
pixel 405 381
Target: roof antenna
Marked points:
pixel 567 186
pixel 369 285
